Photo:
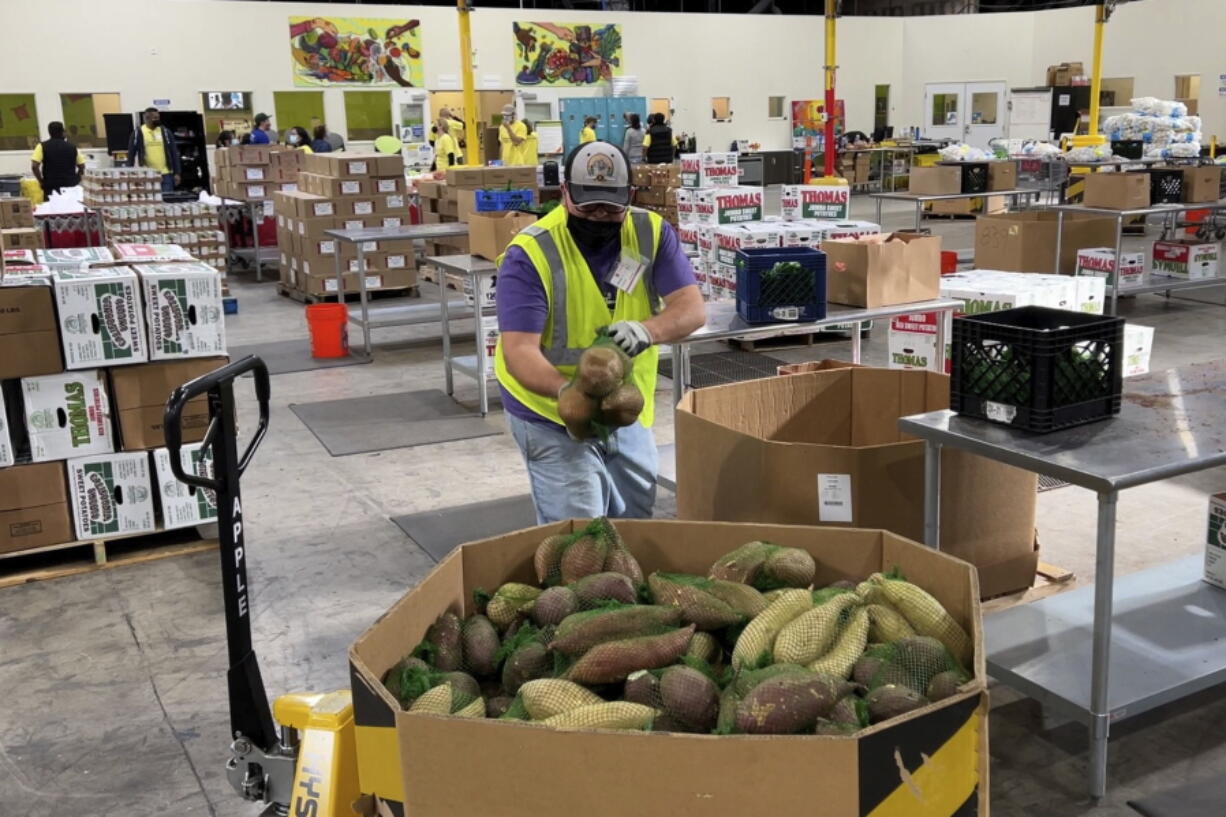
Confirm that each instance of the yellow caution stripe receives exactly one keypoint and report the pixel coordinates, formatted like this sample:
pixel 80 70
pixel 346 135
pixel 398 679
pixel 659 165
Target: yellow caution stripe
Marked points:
pixel 942 786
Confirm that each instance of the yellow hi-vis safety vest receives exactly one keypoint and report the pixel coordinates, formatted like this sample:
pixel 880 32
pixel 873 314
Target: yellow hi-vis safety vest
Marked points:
pixel 577 307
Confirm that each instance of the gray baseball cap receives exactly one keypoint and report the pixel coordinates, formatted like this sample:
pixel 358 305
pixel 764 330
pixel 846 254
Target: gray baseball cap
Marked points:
pixel 598 173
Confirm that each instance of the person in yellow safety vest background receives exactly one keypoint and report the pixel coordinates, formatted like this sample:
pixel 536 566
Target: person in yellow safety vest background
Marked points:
pixel 512 138
pixel 588 134
pixel 593 262
pixel 154 147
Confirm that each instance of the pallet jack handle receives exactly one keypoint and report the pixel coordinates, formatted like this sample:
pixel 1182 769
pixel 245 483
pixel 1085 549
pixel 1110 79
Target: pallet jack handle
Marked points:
pixel 250 715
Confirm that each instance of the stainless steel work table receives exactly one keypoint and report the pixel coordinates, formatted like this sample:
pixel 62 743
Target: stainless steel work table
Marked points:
pixel 1156 282
pixel 376 317
pixel 477 270
pixel 723 323
pixel 1170 628
pixel 919 198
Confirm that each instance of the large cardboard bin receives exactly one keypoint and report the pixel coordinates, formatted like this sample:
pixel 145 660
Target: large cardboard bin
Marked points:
pixel 824 448
pixel 932 761
pixel 1026 241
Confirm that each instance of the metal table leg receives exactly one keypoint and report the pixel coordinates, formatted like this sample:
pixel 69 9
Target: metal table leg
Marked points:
pixel 1059 236
pixel 878 211
pixel 678 384
pixel 362 299
pixel 919 215
pixel 1115 284
pixel 1100 684
pixel 855 341
pixel 932 495
pixel 255 237
pixel 478 300
pixel 445 328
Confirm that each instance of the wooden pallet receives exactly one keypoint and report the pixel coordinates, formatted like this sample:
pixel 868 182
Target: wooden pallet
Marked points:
pixel 350 296
pixel 86 556
pixel 1048 581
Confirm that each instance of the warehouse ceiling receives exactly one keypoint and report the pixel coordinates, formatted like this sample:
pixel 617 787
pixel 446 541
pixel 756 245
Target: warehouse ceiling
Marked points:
pixel 891 8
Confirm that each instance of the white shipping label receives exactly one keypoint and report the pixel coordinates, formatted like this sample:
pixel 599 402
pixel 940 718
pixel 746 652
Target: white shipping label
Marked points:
pixel 351 188
pixel 357 168
pixel 256 191
pixel 255 174
pixel 834 497
pixel 395 202
pixel 323 208
pixel 999 412
pixel 327 248
pixel 396 262
pixel 386 185
pixel 363 208
pixel 392 222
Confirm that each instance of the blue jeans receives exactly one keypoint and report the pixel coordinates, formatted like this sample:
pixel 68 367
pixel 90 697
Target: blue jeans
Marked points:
pixel 587 479
pixel 168 183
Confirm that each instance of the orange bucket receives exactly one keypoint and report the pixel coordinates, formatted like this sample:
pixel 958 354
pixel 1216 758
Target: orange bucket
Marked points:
pixel 329 325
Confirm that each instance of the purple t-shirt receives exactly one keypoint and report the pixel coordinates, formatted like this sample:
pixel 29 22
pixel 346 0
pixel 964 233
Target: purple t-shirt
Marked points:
pixel 524 307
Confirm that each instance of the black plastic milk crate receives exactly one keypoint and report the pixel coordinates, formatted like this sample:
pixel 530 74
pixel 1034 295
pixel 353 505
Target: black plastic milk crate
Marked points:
pixel 974 177
pixel 1165 185
pixel 1037 369
pixel 1128 148
pixel 770 290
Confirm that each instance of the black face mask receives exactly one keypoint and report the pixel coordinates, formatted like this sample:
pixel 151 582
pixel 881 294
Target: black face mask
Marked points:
pixel 592 235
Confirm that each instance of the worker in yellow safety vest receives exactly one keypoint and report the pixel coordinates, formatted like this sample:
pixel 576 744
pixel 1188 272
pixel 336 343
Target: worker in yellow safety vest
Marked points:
pixel 593 262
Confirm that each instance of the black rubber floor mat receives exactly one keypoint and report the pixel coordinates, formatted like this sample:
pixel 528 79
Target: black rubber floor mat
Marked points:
pixel 439 532
pixel 718 368
pixel 359 425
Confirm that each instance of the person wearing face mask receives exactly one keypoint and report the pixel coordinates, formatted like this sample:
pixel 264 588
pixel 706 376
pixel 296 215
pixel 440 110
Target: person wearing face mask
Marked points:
pixel 298 138
pixel 593 262
pixel 153 146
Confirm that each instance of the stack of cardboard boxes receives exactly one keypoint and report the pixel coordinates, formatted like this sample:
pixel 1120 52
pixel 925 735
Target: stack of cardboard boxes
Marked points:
pixel 946 179
pixel 471 190
pixel 855 166
pixel 190 225
pixel 112 186
pixel 89 354
pixel 655 189
pixel 344 191
pixel 17 230
pixel 255 172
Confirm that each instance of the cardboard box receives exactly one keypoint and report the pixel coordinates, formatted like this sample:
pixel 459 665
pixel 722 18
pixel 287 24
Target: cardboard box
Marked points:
pixel 73 258
pixel 1026 241
pixel 249 155
pixel 8 453
pixel 1002 175
pixel 139 395
pixel 1100 262
pixel 325 284
pixel 67 415
pixel 183 506
pixel 913 343
pixel 1117 191
pixel 709 170
pixel 731 239
pixel 312 229
pixel 16 212
pixel 306 205
pixel 880 270
pixel 183 311
pixel 727 205
pixel 1215 541
pixel 150 253
pixel 1202 184
pixel 1138 347
pixel 643 773
pixel 464 178
pixel 330 187
pixel 28 323
pixel 33 507
pixel 824 448
pixel 939 180
pixel 21 238
pixel 1185 258
pixel 345 165
pixel 241 174
pixel 818 201
pixel 489 233
pixel 956 207
pixel 100 317
pixel 111 494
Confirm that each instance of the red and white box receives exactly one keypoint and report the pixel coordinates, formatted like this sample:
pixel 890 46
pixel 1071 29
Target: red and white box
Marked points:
pixel 1186 259
pixel 728 205
pixel 1100 262
pixel 709 170
pixel 819 201
pixel 732 238
pixel 687 236
pixel 686 203
pixel 913 342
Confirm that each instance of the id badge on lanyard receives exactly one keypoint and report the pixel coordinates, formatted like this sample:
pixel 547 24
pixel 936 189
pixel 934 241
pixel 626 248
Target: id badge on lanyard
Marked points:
pixel 629 271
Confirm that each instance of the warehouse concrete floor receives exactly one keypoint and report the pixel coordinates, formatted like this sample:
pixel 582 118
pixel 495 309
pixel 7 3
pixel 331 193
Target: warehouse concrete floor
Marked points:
pixel 114 680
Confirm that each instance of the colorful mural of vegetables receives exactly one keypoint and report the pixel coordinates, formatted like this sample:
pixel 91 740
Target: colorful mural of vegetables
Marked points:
pixel 355 51
pixel 575 55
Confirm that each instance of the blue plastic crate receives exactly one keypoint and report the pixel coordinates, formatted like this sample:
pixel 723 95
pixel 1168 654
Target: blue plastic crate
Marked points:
pixel 760 298
pixel 229 305
pixel 492 201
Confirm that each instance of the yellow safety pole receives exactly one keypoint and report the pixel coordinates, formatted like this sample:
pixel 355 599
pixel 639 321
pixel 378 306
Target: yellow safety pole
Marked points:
pixel 1096 80
pixel 831 63
pixel 471 152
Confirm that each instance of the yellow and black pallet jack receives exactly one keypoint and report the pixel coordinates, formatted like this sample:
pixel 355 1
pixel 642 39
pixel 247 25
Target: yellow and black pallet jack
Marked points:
pixel 299 756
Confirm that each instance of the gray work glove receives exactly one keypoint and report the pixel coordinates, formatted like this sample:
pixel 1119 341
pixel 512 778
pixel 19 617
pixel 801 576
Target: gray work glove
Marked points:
pixel 631 336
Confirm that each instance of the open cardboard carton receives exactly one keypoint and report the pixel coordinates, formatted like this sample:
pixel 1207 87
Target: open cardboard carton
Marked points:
pixel 824 448
pixel 931 761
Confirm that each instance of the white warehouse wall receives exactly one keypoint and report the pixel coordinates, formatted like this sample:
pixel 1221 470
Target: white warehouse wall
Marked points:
pixel 173 49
